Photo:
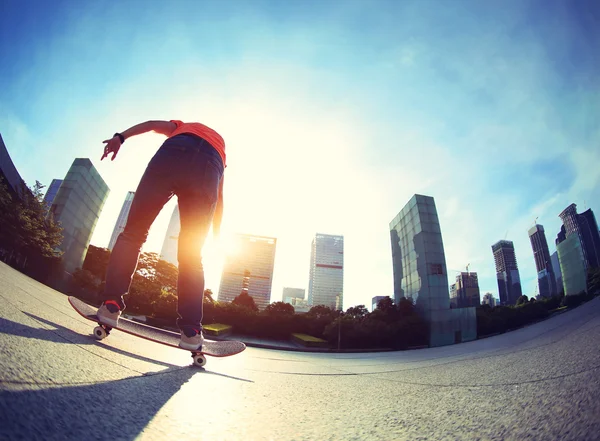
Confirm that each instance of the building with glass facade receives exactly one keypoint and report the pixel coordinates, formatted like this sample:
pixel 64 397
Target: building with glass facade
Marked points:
pixel 543 262
pixel 420 274
pixel 326 277
pixel 296 293
pixel 507 272
pixel 121 220
pixel 77 206
pixel 572 265
pixel 249 267
pixel 585 226
pixel 9 172
pixel 168 251
pixel 557 273
pixel 51 193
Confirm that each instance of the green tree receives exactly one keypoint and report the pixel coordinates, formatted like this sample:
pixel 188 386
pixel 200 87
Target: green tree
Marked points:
pixel 320 311
pixel 208 296
pixel 245 300
pixel 280 309
pixel 96 261
pixel 357 312
pixel 521 300
pixel 24 228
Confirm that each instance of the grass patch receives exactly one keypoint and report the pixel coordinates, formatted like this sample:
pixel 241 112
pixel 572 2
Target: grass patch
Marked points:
pixel 308 340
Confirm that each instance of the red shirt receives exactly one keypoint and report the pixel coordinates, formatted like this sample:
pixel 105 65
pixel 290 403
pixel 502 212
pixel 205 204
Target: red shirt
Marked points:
pixel 204 132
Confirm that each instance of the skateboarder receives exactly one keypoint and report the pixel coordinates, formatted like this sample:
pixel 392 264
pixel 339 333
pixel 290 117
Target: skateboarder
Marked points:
pixel 190 165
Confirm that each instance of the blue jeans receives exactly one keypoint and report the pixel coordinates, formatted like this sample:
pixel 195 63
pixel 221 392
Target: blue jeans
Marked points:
pixel 189 167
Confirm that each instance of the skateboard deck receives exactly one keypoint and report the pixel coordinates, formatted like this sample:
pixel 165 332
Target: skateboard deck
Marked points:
pixel 162 336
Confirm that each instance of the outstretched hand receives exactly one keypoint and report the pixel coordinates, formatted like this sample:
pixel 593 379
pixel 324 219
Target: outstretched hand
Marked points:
pixel 112 146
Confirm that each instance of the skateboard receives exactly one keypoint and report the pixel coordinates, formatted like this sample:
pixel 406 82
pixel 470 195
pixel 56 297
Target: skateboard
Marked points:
pixel 162 336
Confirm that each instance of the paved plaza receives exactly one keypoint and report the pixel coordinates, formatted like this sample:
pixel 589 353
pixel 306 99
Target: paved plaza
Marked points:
pixel 541 382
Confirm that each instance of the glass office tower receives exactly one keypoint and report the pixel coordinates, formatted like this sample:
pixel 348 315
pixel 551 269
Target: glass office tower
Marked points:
pixel 419 266
pixel 77 206
pixel 326 277
pixel 249 267
pixel 168 251
pixel 122 219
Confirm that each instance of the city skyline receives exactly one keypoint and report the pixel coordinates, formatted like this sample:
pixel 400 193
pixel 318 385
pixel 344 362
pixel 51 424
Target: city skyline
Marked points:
pixel 329 127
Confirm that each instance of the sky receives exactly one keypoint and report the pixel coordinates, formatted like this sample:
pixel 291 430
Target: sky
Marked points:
pixel 334 114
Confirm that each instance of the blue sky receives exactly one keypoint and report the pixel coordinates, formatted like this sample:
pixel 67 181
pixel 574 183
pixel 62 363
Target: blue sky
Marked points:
pixel 334 113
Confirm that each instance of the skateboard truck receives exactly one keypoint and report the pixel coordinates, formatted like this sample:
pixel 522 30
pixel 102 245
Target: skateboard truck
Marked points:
pixel 102 331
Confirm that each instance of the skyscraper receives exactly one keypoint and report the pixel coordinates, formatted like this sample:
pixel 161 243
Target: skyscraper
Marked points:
pixel 249 267
pixel 168 251
pixel 77 206
pixel 507 272
pixel 51 193
pixel 326 278
pixel 557 273
pixel 467 290
pixel 488 299
pixel 122 219
pixel 419 266
pixel 584 225
pixel 543 262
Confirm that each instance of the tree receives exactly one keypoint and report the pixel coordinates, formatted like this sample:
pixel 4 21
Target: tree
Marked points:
pixel 386 305
pixel 406 307
pixel 24 229
pixel 245 300
pixel 96 261
pixel 208 296
pixel 521 300
pixel 357 312
pixel 280 309
pixel 320 311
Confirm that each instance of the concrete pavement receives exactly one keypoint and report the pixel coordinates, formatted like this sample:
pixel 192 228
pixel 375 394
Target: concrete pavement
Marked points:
pixel 541 382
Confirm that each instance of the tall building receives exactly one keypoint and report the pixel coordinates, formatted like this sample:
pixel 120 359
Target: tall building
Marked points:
pixel 51 193
pixel 584 225
pixel 543 262
pixel 77 206
pixel 507 272
pixel 326 278
pixel 122 219
pixel 168 251
pixel 578 248
pixel 419 267
pixel 453 296
pixel 557 273
pixel 296 293
pixel 9 172
pixel 488 299
pixel 467 290
pixel 249 268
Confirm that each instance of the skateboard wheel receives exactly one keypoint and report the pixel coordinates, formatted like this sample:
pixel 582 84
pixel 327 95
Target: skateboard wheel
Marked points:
pixel 199 360
pixel 100 333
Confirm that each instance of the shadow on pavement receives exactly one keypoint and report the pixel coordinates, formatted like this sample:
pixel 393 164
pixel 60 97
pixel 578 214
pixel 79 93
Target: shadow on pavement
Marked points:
pixel 102 411
pixel 60 334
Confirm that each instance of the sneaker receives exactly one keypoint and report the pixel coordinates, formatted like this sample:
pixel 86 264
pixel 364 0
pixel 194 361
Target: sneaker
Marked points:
pixel 109 313
pixel 191 339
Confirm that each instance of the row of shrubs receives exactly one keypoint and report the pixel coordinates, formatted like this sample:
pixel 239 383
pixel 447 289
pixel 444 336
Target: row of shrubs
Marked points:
pixel 504 318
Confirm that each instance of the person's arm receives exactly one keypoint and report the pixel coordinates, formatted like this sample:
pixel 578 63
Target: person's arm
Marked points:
pixel 114 144
pixel 218 217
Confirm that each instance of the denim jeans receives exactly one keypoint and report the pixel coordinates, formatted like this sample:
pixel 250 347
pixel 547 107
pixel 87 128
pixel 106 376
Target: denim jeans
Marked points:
pixel 189 167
